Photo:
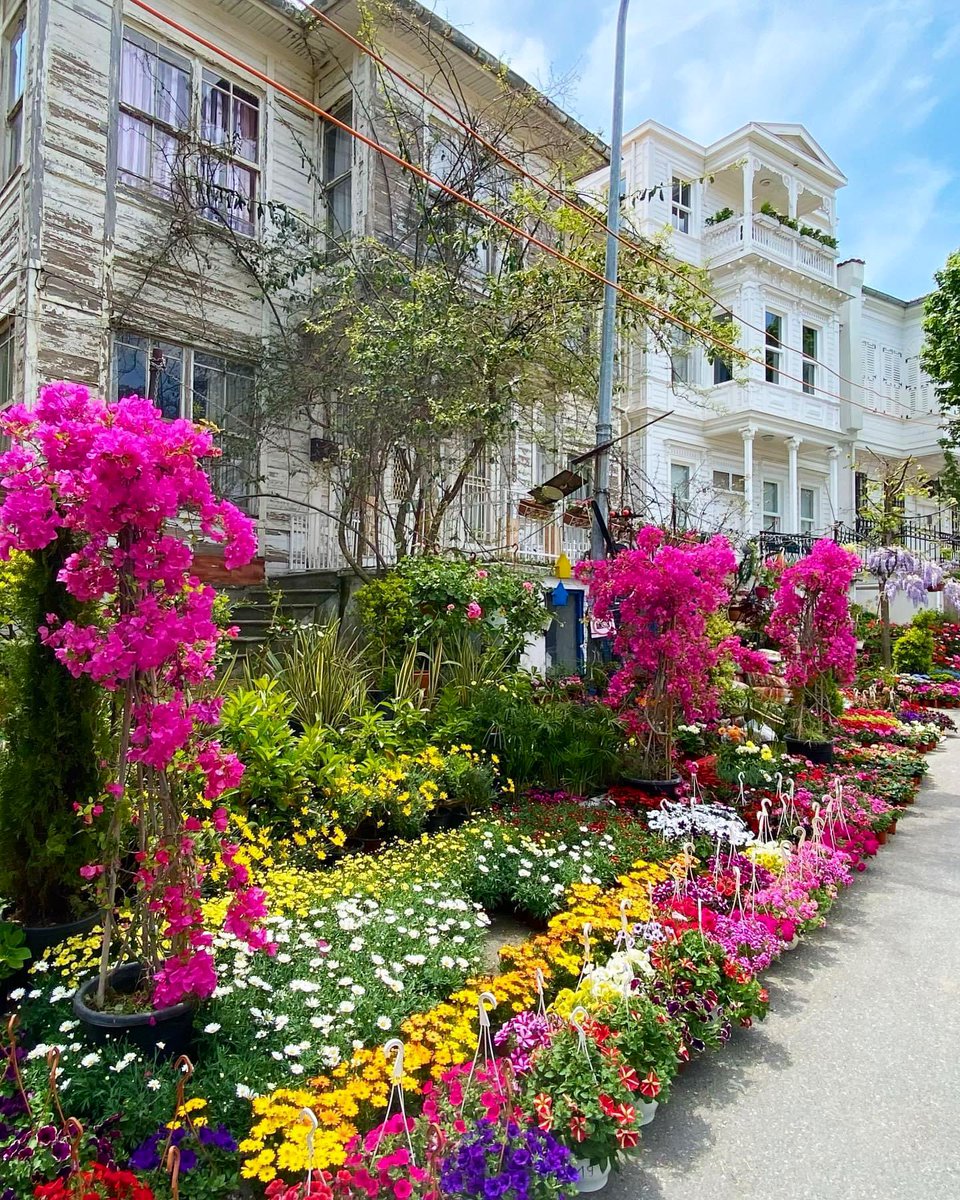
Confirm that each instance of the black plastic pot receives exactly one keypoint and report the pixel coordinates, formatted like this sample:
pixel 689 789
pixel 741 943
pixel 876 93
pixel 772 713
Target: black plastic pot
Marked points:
pixel 173 1026
pixel 39 938
pixel 820 753
pixel 445 818
pixel 668 788
pixel 42 937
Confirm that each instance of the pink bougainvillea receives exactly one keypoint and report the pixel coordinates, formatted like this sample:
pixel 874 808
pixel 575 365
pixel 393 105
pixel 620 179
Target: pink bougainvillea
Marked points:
pixel 132 486
pixel 811 619
pixel 662 595
pixel 811 623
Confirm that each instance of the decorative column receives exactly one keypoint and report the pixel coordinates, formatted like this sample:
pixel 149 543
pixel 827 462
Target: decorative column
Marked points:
pixel 792 514
pixel 833 483
pixel 748 201
pixel 749 523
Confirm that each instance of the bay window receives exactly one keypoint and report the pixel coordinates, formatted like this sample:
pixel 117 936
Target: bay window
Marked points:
pixel 681 212
pixel 229 169
pixel 771 506
pixel 337 176
pixel 774 346
pixel 808 517
pixel 164 96
pixel 155 92
pixel 810 345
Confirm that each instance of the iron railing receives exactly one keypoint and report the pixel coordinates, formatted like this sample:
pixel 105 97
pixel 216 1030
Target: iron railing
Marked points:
pixel 938 545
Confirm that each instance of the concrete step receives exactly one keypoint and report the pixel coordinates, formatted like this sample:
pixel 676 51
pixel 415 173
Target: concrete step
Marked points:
pixel 309 581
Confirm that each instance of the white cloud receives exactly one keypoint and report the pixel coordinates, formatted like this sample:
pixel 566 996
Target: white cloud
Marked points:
pixel 873 80
pixel 717 64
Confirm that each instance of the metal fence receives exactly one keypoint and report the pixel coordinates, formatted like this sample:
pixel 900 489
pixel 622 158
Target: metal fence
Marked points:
pixel 938 545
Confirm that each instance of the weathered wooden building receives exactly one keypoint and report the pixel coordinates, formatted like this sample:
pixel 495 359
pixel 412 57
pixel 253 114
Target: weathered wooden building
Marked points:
pixel 151 154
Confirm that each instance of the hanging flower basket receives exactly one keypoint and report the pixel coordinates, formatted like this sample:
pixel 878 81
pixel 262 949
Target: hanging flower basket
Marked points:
pixel 577 518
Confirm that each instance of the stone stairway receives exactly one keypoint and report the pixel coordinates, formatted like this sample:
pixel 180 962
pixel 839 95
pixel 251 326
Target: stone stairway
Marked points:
pixel 305 597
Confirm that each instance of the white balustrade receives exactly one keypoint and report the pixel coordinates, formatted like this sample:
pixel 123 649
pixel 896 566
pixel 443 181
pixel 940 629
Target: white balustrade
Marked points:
pixel 772 239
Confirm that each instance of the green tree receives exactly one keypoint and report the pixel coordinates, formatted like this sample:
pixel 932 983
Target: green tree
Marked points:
pixel 50 762
pixel 940 358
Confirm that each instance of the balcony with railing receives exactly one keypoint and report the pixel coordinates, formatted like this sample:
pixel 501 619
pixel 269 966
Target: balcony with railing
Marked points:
pixel 934 544
pixel 766 236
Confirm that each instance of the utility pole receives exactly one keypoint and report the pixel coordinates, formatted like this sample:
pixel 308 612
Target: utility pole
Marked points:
pixel 608 342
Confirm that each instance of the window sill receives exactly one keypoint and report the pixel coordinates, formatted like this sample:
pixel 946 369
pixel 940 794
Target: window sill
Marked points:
pixel 146 197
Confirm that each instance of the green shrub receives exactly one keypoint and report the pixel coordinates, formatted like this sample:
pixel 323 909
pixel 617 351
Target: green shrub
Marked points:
pixel 928 618
pixel 56 733
pixel 279 762
pixel 913 651
pixel 425 600
pixel 541 741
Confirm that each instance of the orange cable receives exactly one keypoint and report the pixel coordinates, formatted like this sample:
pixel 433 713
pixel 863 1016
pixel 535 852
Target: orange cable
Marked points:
pixel 529 238
pixel 591 216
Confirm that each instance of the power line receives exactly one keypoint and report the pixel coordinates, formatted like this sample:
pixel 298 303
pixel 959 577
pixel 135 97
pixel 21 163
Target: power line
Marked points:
pixel 592 216
pixel 496 218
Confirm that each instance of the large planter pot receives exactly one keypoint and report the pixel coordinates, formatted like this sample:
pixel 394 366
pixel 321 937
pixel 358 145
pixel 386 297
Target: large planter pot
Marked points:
pixel 592 1178
pixel 647 1110
pixel 820 753
pixel 166 1032
pixel 668 788
pixel 38 939
pixel 445 818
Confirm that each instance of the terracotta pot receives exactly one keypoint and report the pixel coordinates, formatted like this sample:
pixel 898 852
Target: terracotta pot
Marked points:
pixel 892 828
pixel 882 837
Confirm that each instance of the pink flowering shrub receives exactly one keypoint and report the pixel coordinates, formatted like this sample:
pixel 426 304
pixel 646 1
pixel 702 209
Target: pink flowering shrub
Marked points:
pixel 662 595
pixel 127 482
pixel 812 625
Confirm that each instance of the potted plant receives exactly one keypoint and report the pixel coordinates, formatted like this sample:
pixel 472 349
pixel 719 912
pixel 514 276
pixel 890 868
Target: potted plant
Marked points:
pixel 664 594
pixel 118 476
pixel 584 1093
pixel 55 738
pixel 649 1042
pixel 811 624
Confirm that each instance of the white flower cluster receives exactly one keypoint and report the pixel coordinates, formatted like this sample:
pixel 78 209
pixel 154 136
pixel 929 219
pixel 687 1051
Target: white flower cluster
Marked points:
pixel 679 820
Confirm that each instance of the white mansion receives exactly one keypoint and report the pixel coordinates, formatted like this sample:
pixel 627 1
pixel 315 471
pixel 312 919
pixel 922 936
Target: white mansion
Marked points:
pixel 784 445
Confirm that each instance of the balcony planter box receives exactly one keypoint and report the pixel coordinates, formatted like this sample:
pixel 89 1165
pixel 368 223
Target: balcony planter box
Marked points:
pixel 577 519
pixel 530 508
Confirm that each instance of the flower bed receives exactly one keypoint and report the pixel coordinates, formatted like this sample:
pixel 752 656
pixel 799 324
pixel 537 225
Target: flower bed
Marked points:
pixel 391 944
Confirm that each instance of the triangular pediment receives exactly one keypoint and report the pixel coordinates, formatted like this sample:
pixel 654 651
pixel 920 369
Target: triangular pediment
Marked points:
pixel 797 137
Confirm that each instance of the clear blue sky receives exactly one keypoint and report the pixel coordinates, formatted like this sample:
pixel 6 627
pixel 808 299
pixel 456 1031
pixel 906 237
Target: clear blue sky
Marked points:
pixel 876 82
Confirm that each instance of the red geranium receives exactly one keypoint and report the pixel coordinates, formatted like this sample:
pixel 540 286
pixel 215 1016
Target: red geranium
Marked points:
pixel 95 1182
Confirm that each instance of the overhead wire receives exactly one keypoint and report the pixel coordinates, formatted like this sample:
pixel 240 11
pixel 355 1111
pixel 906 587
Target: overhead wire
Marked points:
pixel 476 206
pixel 592 216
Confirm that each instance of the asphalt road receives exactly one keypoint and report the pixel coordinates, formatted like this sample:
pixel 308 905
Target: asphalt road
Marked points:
pixel 850 1090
